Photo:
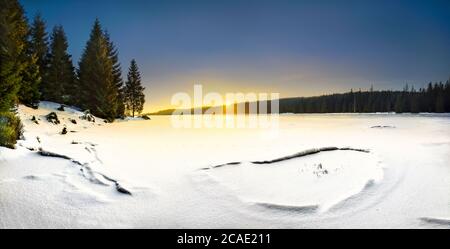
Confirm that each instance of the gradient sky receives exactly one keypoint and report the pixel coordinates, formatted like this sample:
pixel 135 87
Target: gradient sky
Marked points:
pixel 296 48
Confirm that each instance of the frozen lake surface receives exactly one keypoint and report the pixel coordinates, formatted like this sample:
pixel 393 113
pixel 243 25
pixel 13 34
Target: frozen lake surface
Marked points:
pixel 383 171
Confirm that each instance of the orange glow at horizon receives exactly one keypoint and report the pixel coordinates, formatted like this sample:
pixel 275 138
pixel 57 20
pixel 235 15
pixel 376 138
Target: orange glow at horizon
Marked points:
pixel 163 102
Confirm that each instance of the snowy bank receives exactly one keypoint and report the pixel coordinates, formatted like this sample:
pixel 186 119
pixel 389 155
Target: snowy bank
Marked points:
pixel 54 130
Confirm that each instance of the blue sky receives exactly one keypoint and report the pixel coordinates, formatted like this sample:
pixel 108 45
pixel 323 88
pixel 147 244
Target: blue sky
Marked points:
pixel 296 48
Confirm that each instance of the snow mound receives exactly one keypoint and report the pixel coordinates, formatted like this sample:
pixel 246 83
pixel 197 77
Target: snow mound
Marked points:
pixel 311 181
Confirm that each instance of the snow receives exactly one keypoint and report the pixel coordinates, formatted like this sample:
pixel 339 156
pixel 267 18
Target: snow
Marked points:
pixel 321 180
pixel 402 181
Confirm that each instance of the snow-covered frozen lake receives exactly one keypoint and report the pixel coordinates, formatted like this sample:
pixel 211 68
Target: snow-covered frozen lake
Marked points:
pixel 385 171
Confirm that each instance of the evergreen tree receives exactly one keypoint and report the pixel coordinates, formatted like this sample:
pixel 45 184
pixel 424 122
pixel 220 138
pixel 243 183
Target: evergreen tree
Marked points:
pixel 447 96
pixel 34 53
pixel 429 98
pixel 39 44
pixel 399 103
pixel 117 76
pixel 134 92
pixel 97 90
pixel 29 94
pixel 440 98
pixel 414 100
pixel 59 82
pixel 13 34
pixel 37 62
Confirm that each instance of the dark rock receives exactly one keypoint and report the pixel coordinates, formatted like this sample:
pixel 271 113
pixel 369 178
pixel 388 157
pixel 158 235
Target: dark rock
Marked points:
pixel 382 127
pixel 88 116
pixel 31 177
pixel 61 108
pixel 122 190
pixel 34 120
pixel 53 118
pixel 73 121
pixel 146 117
pixel 64 131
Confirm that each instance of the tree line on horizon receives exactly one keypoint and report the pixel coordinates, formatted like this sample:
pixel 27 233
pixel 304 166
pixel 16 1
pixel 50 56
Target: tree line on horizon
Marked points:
pixel 36 66
pixel 434 98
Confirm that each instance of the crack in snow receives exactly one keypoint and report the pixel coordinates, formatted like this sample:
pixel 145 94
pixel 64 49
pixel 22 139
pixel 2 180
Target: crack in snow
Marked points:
pixel 297 155
pixel 86 169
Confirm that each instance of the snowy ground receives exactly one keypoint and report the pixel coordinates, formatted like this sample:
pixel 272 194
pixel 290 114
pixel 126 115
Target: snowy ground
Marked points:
pixel 182 178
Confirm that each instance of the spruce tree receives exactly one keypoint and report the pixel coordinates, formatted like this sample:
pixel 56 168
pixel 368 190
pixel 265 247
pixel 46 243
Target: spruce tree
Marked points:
pixel 37 58
pixel 13 34
pixel 134 92
pixel 429 102
pixel 59 81
pixel 117 76
pixel 34 55
pixel 97 90
pixel 29 94
pixel 440 98
pixel 447 96
pixel 39 44
pixel 414 100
